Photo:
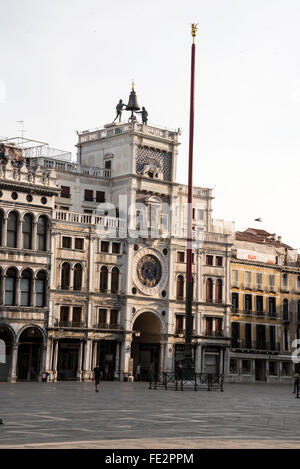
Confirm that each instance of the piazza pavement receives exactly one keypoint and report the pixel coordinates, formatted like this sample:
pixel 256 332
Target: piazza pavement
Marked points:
pixel 129 415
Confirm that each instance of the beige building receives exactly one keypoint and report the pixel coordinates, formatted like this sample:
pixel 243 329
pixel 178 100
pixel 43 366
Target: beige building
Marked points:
pixel 115 260
pixel 265 288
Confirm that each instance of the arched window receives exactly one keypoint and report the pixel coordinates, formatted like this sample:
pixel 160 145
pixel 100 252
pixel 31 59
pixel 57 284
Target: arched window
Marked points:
pixel 42 233
pixel 219 291
pixel 10 287
pixel 285 309
pixel 180 287
pixel 209 290
pixel 40 288
pixel 26 287
pixel 78 277
pixel 115 280
pixel 65 276
pixel 27 231
pixel 103 279
pixel 12 230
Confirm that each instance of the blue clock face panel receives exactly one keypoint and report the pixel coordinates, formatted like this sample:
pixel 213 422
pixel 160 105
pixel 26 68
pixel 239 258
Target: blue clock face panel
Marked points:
pixel 149 270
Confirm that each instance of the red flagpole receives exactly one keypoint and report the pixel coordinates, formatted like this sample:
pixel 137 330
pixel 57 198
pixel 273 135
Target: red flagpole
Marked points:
pixel 189 277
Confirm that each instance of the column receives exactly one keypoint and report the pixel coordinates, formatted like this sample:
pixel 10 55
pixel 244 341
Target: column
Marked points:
pixel 198 358
pixel 117 362
pixel 2 289
pixel 34 236
pixel 87 361
pixel 171 274
pixel 203 361
pixel 79 367
pixel 13 373
pixel 109 281
pixel 19 234
pixel 55 359
pixel 71 286
pixel 33 292
pixel 108 316
pixel 170 357
pixel 18 290
pixel 221 361
pixel 129 268
pixel 43 364
pixel 125 356
pixel 91 266
pixel 4 231
pixel 162 357
pixel 53 261
pixel 48 354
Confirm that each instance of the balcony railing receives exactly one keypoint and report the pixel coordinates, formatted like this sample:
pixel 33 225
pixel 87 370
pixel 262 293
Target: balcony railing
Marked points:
pixel 272 315
pixel 259 314
pixel 101 221
pixel 76 324
pixel 104 325
pixel 214 334
pixel 255 345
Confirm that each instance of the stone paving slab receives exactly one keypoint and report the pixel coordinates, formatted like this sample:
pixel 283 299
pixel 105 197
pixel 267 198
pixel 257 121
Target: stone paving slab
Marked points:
pixel 71 414
pixel 164 443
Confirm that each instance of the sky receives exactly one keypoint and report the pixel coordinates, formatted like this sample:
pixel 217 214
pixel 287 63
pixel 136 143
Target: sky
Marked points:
pixel 66 63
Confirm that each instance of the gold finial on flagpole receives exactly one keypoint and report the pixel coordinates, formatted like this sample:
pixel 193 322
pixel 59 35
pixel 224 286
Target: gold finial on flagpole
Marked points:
pixel 194 30
pixel 132 85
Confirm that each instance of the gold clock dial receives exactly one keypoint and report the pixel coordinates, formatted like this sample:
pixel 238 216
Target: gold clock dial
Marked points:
pixel 149 270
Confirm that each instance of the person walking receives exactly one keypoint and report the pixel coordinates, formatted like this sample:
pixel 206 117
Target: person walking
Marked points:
pixel 296 381
pixel 97 376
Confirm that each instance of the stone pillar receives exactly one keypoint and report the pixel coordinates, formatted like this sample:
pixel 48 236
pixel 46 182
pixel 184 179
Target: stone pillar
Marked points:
pixel 33 293
pixel 55 360
pixel 198 358
pixel 125 356
pixel 130 254
pixel 109 282
pixel 117 362
pixel 18 290
pixel 2 289
pixel 48 354
pixel 87 366
pixel 108 316
pixel 34 236
pixel 71 285
pixel 43 364
pixel 13 372
pixel 162 357
pixel 170 357
pixel 53 262
pixel 221 361
pixel 19 234
pixel 4 232
pixel 79 368
pixel 171 274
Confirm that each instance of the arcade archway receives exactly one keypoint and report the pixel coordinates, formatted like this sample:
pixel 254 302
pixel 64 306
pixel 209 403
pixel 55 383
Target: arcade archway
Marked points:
pixel 145 346
pixel 6 349
pixel 29 354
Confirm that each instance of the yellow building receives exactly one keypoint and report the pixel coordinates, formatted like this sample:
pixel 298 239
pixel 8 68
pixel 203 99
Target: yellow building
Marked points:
pixel 265 295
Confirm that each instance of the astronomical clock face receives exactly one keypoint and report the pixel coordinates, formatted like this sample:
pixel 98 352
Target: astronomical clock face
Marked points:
pixel 149 270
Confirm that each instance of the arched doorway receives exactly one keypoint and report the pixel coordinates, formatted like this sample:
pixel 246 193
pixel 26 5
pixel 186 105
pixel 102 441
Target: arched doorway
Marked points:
pixel 29 354
pixel 145 347
pixel 5 365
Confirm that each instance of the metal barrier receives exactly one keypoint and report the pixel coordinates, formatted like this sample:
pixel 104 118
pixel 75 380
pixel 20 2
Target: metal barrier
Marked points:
pixel 195 381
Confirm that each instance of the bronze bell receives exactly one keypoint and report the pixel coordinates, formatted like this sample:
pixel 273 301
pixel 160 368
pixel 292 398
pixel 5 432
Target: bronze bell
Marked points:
pixel 132 102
